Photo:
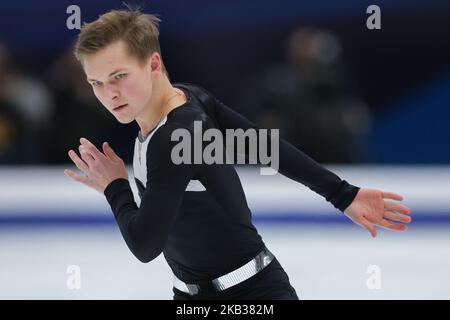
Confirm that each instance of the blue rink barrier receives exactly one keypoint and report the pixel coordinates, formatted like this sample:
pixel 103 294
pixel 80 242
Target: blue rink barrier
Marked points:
pixel 42 220
pixel 44 196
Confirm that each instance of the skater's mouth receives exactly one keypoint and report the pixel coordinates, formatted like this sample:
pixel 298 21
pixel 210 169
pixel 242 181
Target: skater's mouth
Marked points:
pixel 121 107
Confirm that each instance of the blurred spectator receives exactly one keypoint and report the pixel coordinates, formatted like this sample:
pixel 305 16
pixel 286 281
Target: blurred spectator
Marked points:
pixel 29 108
pixel 310 100
pixel 11 129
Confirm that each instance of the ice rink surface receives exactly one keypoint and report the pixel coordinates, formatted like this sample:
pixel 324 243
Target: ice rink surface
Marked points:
pixel 322 263
pixel 331 258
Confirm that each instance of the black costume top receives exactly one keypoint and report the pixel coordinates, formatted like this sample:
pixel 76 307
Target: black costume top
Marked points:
pixel 197 214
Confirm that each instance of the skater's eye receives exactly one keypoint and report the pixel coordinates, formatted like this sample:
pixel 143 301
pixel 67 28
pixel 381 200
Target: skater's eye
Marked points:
pixel 96 83
pixel 120 76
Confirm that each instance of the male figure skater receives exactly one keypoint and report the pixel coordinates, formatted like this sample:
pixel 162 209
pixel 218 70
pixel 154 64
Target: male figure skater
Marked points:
pixel 196 214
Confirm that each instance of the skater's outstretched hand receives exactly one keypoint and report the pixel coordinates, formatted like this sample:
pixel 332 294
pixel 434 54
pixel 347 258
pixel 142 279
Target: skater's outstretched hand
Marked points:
pixel 369 209
pixel 100 169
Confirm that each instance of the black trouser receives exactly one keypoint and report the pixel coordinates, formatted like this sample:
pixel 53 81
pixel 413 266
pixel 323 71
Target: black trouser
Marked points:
pixel 271 283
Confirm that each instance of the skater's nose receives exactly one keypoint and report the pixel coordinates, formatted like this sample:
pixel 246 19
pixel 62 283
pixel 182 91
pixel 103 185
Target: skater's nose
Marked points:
pixel 112 93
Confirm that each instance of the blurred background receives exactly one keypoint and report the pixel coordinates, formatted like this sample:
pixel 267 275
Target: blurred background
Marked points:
pixel 371 105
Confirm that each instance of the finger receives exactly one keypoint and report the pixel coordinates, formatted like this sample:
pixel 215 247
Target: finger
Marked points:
pixel 397 216
pixel 110 152
pixel 394 226
pixel 369 226
pixel 86 156
pixel 91 148
pixel 78 162
pixel 75 176
pixel 388 205
pixel 393 196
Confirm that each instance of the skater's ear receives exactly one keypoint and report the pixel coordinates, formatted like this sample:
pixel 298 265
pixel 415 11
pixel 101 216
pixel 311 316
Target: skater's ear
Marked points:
pixel 155 62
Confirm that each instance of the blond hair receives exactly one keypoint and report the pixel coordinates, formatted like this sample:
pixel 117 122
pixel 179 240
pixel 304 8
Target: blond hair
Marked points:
pixel 138 30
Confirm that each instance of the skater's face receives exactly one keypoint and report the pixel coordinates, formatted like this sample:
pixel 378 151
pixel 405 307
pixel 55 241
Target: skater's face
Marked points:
pixel 121 83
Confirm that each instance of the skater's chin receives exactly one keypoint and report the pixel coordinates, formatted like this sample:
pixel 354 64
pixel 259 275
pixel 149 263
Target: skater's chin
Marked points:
pixel 125 120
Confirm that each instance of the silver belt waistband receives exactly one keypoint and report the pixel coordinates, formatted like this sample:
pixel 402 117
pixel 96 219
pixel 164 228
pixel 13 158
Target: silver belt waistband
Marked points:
pixel 230 279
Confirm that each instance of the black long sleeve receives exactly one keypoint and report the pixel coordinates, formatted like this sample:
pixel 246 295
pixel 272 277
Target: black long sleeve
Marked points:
pixel 197 214
pixel 293 163
pixel 145 229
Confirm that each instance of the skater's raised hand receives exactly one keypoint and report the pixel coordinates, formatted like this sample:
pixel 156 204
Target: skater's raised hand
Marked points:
pixel 370 209
pixel 100 169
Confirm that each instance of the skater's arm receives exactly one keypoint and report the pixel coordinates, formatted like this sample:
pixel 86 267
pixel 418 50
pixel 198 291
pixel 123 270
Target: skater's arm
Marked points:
pixel 293 163
pixel 145 229
pixel 365 207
